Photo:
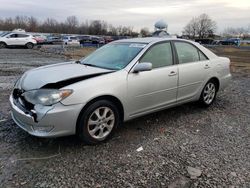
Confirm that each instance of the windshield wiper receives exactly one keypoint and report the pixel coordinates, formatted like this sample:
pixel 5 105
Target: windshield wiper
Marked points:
pixel 91 65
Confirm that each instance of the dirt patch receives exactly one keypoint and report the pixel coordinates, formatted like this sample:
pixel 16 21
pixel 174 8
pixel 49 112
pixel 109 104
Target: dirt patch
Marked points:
pixel 240 57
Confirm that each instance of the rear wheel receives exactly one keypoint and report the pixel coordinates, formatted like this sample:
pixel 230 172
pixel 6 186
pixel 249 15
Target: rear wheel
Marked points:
pixel 29 45
pixel 98 122
pixel 2 45
pixel 208 94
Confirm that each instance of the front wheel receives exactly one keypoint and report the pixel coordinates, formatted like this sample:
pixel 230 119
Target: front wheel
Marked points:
pixel 2 45
pixel 208 94
pixel 29 45
pixel 98 122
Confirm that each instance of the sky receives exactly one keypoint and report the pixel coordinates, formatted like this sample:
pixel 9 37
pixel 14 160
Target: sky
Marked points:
pixel 135 13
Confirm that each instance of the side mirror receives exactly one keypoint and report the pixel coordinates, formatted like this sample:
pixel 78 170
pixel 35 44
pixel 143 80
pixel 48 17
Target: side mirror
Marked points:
pixel 140 67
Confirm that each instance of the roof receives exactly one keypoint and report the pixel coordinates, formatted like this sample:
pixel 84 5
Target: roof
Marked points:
pixel 148 40
pixel 142 40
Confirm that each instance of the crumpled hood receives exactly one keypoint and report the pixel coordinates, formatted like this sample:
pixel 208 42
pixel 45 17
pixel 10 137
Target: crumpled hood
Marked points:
pixel 57 73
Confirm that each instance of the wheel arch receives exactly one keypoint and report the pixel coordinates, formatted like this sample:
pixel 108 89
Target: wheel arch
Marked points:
pixel 216 81
pixel 110 98
pixel 4 43
pixel 29 43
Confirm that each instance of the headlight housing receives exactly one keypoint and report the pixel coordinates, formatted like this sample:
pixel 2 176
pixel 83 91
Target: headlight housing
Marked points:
pixel 46 97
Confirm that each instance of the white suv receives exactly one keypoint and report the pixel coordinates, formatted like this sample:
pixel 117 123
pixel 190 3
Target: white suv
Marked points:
pixel 17 39
pixel 70 40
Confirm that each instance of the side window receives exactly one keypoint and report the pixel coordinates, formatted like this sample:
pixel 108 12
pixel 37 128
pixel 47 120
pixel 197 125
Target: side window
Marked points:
pixel 13 36
pixel 159 55
pixel 186 52
pixel 22 36
pixel 202 56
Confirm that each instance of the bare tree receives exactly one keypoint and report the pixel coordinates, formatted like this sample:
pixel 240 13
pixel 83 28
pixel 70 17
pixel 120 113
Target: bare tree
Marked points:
pixel 70 26
pixel 144 32
pixel 202 26
pixel 50 25
pixel 21 22
pixel 32 24
pixel 242 32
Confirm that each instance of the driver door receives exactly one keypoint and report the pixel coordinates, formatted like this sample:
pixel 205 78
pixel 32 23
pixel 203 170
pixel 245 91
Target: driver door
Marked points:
pixel 12 39
pixel 157 88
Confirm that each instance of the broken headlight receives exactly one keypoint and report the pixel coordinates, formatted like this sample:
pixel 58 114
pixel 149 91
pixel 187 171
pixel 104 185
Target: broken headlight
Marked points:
pixel 46 97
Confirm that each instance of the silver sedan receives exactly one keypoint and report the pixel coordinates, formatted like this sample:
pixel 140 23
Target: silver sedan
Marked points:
pixel 118 82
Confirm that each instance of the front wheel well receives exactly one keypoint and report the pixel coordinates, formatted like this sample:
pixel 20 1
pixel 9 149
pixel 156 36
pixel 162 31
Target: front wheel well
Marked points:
pixel 216 82
pixel 110 98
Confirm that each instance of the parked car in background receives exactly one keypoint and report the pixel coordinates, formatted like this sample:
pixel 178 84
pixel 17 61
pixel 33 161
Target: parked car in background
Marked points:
pixel 71 40
pixel 231 41
pixel 108 39
pixel 17 39
pixel 97 40
pixel 118 82
pixel 204 41
pixel 40 39
pixel 84 39
pixel 54 40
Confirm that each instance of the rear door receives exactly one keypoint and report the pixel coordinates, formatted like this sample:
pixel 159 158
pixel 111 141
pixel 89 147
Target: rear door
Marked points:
pixel 22 39
pixel 155 89
pixel 193 67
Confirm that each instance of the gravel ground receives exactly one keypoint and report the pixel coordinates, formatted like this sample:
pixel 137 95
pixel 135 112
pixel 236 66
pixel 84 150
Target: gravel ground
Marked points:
pixel 14 62
pixel 186 146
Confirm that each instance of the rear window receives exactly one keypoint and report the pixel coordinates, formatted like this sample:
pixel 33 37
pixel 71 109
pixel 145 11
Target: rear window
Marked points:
pixel 73 38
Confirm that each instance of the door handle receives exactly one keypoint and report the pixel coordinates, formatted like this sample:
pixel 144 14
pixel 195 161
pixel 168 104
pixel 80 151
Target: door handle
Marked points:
pixel 172 73
pixel 206 66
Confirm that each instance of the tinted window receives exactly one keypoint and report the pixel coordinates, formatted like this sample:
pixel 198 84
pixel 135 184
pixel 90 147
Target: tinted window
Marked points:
pixel 159 55
pixel 186 52
pixel 22 36
pixel 13 36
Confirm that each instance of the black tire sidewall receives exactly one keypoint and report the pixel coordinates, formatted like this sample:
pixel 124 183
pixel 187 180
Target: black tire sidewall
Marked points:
pixel 2 45
pixel 82 129
pixel 29 45
pixel 201 101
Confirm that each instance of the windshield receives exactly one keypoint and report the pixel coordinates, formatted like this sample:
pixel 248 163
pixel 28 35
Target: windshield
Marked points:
pixel 114 56
pixel 4 34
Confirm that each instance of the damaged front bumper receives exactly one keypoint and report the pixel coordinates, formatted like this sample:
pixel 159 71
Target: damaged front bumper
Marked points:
pixel 53 121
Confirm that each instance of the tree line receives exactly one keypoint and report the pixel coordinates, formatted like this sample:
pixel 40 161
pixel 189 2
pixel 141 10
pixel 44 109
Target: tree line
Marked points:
pixel 69 26
pixel 204 27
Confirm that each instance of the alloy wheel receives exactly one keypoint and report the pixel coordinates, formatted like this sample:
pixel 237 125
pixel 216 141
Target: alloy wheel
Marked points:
pixel 209 93
pixel 101 123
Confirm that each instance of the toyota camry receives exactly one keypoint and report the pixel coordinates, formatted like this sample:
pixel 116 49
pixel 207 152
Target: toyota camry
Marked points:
pixel 120 81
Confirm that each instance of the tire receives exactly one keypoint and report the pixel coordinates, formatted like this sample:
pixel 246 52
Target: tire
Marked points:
pixel 29 45
pixel 208 94
pixel 93 130
pixel 2 45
